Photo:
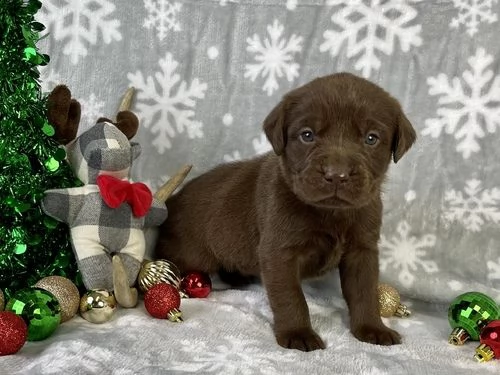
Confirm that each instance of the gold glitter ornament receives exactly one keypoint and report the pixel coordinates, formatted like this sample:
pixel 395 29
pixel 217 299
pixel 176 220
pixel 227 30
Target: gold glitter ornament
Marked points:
pixel 389 302
pixel 65 292
pixel 2 300
pixel 156 272
pixel 97 306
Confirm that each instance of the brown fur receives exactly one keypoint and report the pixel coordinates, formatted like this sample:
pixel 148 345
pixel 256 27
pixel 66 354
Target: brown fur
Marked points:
pixel 302 210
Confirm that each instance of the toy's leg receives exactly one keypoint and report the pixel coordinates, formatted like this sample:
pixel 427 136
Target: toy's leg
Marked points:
pixel 132 265
pixel 124 294
pixel 126 266
pixel 96 272
pixel 93 260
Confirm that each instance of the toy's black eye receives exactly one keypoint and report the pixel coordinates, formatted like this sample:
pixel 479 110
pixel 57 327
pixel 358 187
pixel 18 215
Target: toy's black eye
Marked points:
pixel 371 139
pixel 307 136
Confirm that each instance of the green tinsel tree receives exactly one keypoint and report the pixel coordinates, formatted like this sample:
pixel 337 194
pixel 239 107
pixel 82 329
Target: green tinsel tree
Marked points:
pixel 32 245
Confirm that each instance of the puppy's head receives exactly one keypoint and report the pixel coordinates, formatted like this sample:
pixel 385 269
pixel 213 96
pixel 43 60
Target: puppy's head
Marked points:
pixel 336 136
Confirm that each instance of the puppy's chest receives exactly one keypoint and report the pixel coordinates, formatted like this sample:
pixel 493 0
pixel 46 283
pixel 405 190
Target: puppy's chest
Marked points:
pixel 323 255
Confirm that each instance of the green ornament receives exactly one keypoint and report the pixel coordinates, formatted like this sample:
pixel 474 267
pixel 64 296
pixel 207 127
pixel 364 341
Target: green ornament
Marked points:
pixel 468 314
pixel 39 309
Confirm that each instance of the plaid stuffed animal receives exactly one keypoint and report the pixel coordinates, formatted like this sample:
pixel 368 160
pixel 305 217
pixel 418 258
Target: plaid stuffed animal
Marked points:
pixel 108 214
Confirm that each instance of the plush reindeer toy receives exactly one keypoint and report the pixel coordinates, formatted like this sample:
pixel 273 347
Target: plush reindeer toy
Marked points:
pixel 108 214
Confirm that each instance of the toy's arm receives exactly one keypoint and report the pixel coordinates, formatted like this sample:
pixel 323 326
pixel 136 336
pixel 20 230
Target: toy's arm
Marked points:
pixel 157 213
pixel 63 204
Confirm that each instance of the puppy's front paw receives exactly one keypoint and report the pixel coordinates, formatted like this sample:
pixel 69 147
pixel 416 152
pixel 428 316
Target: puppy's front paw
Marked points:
pixel 304 339
pixel 374 334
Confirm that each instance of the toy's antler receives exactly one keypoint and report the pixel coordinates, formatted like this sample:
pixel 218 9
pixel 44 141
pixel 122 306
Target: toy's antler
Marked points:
pixel 169 187
pixel 63 113
pixel 126 102
pixel 173 183
pixel 127 121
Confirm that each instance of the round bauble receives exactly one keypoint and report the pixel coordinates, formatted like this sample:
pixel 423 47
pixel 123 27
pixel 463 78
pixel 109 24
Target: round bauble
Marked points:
pixel 40 310
pixel 66 293
pixel 196 284
pixel 156 272
pixel 97 306
pixel 162 301
pixel 389 302
pixel 13 333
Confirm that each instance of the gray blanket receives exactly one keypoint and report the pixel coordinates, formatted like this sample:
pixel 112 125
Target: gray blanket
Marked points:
pixel 207 72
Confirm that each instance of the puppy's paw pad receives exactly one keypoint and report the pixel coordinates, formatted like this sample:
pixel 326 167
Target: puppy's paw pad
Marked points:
pixel 301 339
pixel 377 335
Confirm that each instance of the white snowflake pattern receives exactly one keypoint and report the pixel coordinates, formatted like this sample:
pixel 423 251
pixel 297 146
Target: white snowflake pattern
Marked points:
pixel 212 52
pixel 291 4
pixel 455 285
pixel 478 109
pixel 472 12
pixel 77 23
pixel 236 155
pixel 261 145
pixel 167 113
pixel 227 119
pixel 473 209
pixel 274 57
pixel 368 27
pixel 87 356
pixel 228 356
pixel 410 196
pixel 92 109
pixel 223 3
pixel 494 268
pixel 162 16
pixel 406 253
pixel 49 78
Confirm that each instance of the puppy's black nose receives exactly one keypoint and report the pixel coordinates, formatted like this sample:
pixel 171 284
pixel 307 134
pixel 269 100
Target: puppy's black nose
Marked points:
pixel 333 174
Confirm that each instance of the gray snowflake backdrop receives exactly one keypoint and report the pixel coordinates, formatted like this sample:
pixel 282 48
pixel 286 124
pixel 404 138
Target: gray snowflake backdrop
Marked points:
pixel 208 71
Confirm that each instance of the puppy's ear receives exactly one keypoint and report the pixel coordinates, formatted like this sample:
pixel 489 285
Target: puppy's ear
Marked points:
pixel 275 129
pixel 404 137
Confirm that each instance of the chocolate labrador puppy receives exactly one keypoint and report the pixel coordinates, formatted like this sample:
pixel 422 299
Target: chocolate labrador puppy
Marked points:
pixel 312 205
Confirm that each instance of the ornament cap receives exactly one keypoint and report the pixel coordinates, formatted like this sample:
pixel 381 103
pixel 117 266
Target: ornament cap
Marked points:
pixel 175 315
pixel 458 336
pixel 402 311
pixel 484 353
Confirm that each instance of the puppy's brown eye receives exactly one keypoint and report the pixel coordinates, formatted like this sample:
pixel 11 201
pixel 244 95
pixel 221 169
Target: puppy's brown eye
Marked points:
pixel 307 136
pixel 371 139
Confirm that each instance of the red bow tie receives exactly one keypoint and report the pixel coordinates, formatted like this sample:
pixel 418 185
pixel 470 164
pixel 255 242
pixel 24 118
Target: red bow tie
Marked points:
pixel 115 191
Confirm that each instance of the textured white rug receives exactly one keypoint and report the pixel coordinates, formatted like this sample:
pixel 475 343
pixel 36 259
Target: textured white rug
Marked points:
pixel 230 333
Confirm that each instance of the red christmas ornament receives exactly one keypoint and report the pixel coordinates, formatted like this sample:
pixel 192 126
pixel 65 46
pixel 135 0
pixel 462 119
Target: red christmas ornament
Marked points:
pixel 162 301
pixel 13 332
pixel 490 342
pixel 196 284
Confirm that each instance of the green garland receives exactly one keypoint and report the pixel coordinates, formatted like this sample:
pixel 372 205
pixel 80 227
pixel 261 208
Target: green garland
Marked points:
pixel 32 245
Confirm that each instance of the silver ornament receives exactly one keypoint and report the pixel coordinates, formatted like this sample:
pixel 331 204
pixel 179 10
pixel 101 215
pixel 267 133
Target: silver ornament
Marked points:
pixel 97 306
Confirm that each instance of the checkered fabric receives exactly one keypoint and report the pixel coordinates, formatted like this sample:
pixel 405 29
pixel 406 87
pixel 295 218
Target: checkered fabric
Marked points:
pixel 97 231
